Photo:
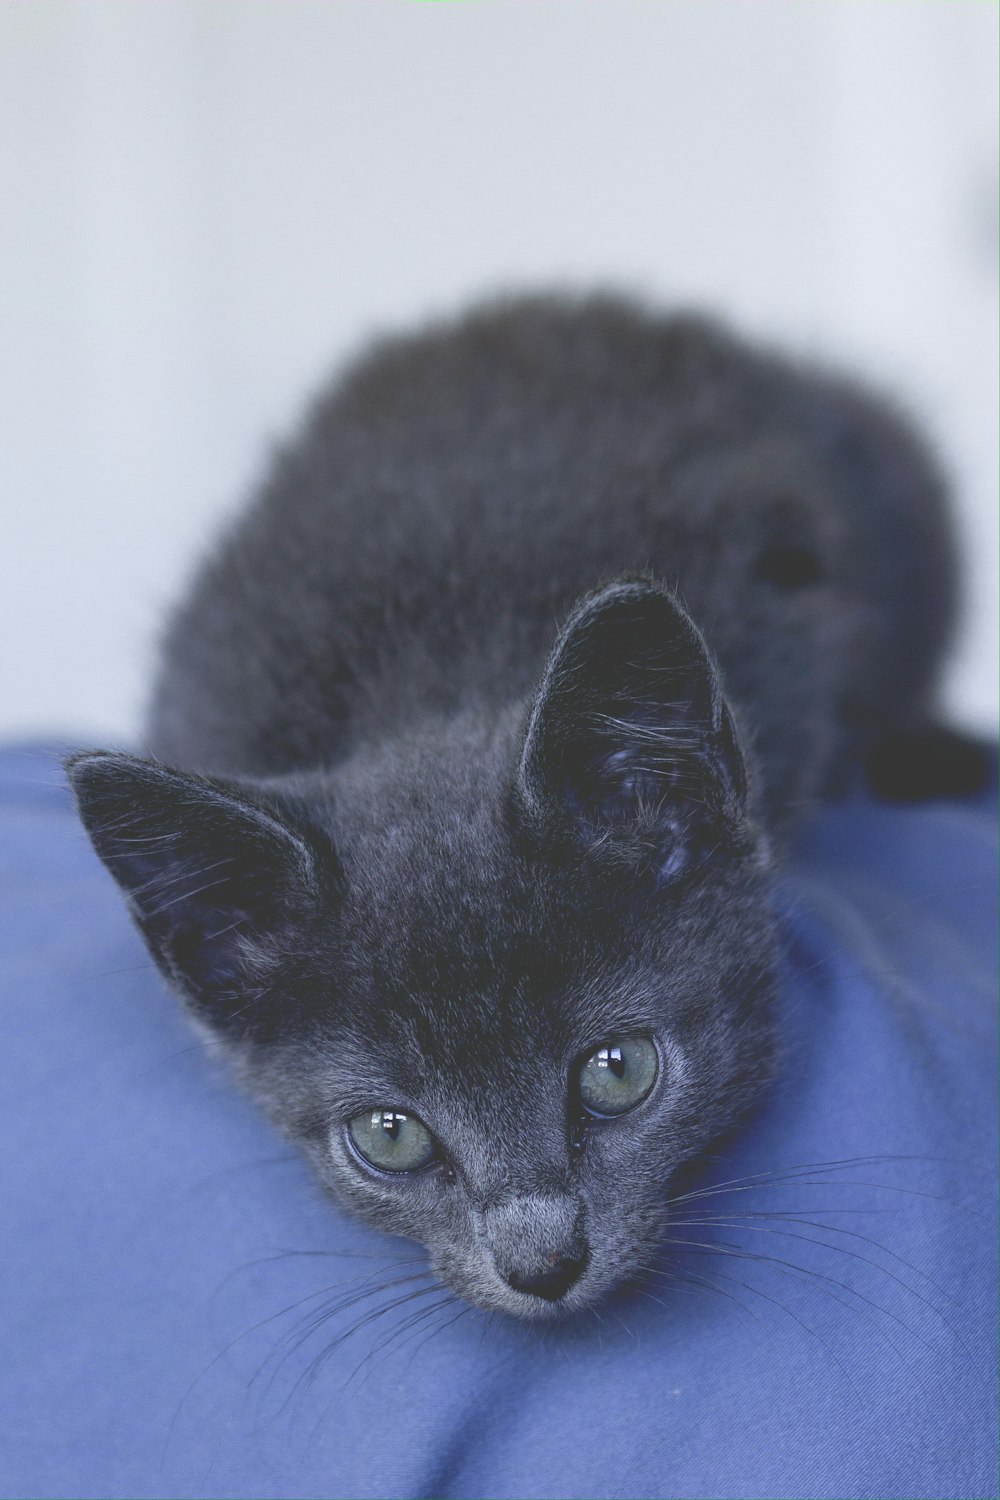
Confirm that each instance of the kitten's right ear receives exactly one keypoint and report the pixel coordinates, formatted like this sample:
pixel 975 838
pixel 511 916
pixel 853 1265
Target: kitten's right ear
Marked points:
pixel 212 874
pixel 631 752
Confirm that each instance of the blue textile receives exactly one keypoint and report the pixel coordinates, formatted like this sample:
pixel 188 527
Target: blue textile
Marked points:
pixel 839 1340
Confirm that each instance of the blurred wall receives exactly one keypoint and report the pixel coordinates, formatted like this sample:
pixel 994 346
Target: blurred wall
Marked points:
pixel 204 204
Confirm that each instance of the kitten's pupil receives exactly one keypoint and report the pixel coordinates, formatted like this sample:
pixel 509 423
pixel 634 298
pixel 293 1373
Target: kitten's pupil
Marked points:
pixel 392 1122
pixel 611 1058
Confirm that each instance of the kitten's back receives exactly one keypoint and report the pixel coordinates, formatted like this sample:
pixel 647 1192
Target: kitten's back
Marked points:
pixel 415 546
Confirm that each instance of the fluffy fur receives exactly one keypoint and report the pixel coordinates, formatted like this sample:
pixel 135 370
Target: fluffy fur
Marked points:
pixel 476 740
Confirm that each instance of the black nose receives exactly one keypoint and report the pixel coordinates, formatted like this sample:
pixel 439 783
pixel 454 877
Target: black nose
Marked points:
pixel 555 1280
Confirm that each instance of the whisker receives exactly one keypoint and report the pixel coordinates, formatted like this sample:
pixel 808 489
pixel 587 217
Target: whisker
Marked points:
pixel 372 1315
pixel 776 1302
pixel 740 1221
pixel 798 1175
pixel 308 1325
pixel 263 1322
pixel 398 1337
pixel 722 1247
pixel 707 1285
pixel 856 1255
pixel 463 1310
pixel 838 1164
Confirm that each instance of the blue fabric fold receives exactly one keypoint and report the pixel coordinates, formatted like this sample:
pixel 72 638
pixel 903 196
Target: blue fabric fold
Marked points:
pixel 183 1314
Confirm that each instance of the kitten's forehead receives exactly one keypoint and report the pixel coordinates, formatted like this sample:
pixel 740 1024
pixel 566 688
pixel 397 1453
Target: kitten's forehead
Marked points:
pixel 493 1032
pixel 452 1003
pixel 488 1074
pixel 438 896
pixel 474 969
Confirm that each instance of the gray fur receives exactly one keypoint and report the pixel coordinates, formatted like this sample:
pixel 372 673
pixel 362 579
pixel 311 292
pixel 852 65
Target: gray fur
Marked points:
pixel 540 639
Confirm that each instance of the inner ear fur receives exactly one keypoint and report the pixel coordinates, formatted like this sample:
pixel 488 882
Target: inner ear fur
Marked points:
pixel 212 873
pixel 630 747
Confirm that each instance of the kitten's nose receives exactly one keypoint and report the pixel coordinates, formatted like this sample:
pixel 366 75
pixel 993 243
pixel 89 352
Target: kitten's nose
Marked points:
pixel 552 1282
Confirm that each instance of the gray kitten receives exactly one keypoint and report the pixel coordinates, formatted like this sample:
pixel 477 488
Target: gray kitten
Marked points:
pixel 477 740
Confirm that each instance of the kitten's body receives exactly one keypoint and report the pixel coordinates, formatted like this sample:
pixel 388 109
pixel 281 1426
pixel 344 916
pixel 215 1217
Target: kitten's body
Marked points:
pixel 440 850
pixel 415 550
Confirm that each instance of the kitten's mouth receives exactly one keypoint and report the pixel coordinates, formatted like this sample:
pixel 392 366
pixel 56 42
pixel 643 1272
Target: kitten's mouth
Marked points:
pixel 530 1307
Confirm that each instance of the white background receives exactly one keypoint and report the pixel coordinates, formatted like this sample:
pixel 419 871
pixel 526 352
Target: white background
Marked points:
pixel 206 204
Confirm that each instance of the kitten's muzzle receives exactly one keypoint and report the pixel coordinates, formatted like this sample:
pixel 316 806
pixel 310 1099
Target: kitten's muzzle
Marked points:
pixel 562 1272
pixel 537 1243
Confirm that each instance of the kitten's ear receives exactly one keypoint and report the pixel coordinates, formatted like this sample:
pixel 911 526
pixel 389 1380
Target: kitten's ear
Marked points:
pixel 211 874
pixel 630 748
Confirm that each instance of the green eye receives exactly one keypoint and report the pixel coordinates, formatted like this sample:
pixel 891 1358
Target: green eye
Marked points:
pixel 391 1139
pixel 618 1076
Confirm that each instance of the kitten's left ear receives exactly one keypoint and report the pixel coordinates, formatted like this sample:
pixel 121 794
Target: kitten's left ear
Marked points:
pixel 210 870
pixel 630 749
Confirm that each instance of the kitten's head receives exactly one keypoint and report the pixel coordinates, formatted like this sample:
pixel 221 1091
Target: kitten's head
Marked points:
pixel 499 981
